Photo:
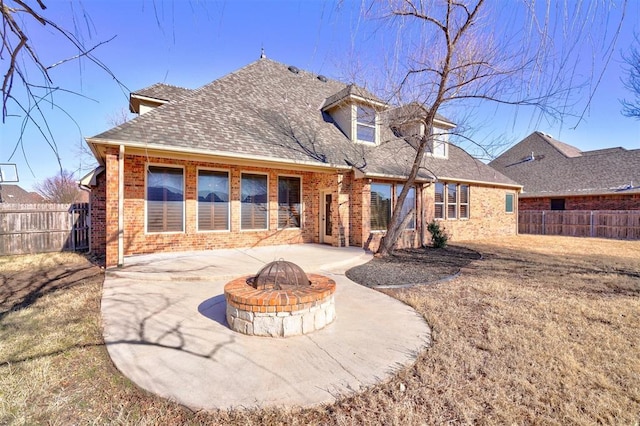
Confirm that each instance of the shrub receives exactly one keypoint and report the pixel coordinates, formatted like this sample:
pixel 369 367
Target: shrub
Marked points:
pixel 439 237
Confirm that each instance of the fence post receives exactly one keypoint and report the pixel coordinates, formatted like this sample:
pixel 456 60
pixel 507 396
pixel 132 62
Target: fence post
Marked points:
pixel 543 224
pixel 592 225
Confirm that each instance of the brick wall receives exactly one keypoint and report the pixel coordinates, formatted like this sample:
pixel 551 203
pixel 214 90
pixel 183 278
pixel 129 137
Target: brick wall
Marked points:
pixel 350 211
pixel 592 202
pixel 97 202
pixel 487 216
pixel 137 241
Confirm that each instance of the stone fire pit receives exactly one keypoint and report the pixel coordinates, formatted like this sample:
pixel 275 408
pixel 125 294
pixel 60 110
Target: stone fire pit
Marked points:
pixel 280 301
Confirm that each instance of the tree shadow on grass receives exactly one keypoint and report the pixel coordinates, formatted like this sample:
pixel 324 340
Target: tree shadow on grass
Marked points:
pixel 20 289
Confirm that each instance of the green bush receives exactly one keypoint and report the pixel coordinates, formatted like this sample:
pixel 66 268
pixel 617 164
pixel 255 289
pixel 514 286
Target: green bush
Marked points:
pixel 439 237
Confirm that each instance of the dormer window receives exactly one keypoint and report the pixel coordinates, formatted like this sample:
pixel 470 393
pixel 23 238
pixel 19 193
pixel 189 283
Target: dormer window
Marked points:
pixel 440 148
pixel 366 124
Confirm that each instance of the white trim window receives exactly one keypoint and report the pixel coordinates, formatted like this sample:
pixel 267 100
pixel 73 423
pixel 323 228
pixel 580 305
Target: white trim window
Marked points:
pixel 289 202
pixel 439 200
pixel 165 199
pixel 451 201
pixel 254 201
pixel 213 200
pixel 409 205
pixel 440 146
pixel 508 203
pixel 384 197
pixel 365 124
pixel 463 201
pixel 380 206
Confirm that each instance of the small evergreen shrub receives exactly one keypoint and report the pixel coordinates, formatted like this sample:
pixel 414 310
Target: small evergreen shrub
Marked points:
pixel 439 236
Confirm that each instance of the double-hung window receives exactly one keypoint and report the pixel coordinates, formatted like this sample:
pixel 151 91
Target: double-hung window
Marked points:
pixel 289 202
pixel 165 199
pixel 439 200
pixel 451 201
pixel 463 201
pixel 366 124
pixel 254 201
pixel 213 200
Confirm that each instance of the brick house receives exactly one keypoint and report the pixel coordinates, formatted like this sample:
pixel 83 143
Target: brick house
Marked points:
pixel 271 154
pixel 10 193
pixel 558 176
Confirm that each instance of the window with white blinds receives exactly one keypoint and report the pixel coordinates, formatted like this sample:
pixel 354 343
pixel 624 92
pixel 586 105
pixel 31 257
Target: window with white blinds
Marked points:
pixel 380 206
pixel 213 200
pixel 254 197
pixel 289 202
pixel 165 199
pixel 451 201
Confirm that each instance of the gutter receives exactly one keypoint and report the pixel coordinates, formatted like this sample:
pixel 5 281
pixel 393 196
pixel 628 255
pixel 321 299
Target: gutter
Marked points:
pixel 209 153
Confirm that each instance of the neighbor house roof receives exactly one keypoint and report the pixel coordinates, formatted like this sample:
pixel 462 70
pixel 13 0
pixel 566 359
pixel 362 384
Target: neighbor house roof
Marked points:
pixel 266 111
pixel 547 167
pixel 14 194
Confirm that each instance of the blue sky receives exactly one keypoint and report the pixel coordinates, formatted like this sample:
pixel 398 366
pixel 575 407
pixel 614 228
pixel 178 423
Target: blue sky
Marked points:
pixel 190 43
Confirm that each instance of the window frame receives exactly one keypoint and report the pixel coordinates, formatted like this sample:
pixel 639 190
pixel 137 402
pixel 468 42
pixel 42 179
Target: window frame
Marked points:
pixel 268 215
pixel 398 188
pixel 455 201
pixel 148 166
pixel 461 204
pixel 390 211
pixel 440 139
pixel 446 203
pixel 207 169
pixel 371 124
pixel 442 203
pixel 394 192
pixel 506 203
pixel 301 204
pixel 556 203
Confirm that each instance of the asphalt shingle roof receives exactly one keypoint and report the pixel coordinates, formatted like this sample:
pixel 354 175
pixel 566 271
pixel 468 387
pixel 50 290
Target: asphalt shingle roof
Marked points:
pixel 558 169
pixel 163 92
pixel 10 193
pixel 265 110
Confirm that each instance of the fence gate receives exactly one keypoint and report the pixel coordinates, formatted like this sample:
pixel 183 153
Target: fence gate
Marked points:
pixel 41 228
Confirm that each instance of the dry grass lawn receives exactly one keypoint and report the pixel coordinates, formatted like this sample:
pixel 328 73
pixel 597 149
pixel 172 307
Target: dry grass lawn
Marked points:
pixel 541 330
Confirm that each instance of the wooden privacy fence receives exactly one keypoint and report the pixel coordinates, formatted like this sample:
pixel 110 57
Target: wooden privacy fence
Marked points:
pixel 619 224
pixel 40 228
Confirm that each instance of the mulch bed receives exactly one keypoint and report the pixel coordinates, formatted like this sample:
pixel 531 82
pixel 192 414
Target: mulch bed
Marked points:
pixel 413 266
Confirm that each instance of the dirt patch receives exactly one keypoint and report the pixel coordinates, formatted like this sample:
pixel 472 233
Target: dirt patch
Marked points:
pixel 21 284
pixel 413 266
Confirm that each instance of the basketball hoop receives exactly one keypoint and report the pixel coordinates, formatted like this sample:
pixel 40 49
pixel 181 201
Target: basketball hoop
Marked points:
pixel 8 173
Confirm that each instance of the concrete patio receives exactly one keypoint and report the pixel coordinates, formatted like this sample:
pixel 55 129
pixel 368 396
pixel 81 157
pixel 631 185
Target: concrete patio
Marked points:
pixel 165 329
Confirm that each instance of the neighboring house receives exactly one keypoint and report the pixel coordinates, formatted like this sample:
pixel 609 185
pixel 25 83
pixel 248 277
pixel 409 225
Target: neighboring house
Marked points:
pixel 14 194
pixel 271 154
pixel 557 176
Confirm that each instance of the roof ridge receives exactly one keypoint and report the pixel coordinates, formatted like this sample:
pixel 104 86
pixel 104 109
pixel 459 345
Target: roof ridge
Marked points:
pixel 562 147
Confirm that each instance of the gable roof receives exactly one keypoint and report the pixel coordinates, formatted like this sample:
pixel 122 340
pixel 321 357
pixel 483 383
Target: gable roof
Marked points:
pixel 159 93
pixel 547 167
pixel 163 92
pixel 267 112
pixel 15 194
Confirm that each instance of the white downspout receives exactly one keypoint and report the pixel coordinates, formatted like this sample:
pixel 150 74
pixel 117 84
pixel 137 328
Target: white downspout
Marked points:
pixel 121 207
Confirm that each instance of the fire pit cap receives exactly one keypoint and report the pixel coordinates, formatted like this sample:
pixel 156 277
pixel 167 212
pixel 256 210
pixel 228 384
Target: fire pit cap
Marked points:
pixel 278 275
